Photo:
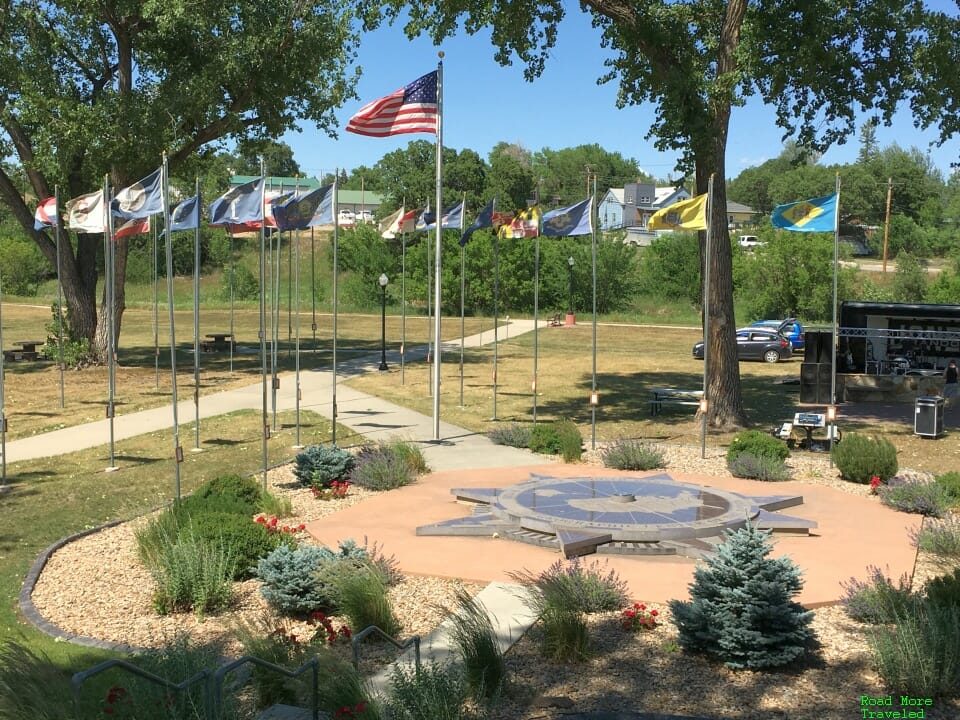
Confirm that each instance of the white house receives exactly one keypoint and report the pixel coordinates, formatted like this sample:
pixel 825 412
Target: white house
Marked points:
pixel 632 205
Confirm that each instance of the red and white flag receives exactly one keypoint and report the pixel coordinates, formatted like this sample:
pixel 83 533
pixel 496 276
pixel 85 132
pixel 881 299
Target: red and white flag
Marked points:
pixel 136 226
pixel 46 215
pixel 411 109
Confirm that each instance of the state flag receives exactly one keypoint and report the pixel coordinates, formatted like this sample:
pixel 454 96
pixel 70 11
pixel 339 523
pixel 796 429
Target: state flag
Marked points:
pixel 86 214
pixel 140 200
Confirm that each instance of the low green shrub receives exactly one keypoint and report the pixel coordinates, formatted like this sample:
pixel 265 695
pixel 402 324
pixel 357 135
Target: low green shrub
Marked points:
pixel 380 468
pixel 571 441
pixel 510 434
pixel 436 692
pixel 247 541
pixel 940 537
pixel 476 642
pixel 877 600
pixel 917 654
pixel 241 286
pixel 944 590
pixel 544 439
pixel 753 467
pixel 758 444
pixel 913 495
pixel 631 454
pixel 859 458
pixel 950 481
pixel 245 490
pixel 319 465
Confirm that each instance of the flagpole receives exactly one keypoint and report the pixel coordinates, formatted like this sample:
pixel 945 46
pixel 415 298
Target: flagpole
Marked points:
pixel 233 337
pixel 333 361
pixel 496 305
pixel 836 340
pixel 274 316
pixel 438 260
pixel 536 301
pixel 403 292
pixel 156 310
pixel 177 450
pixel 594 398
pixel 56 204
pixel 265 426
pixel 463 266
pixel 426 247
pixel 313 288
pixel 196 324
pixel 108 292
pixel 708 258
pixel 296 353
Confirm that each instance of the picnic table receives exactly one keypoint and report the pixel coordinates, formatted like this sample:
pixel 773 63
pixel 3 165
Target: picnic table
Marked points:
pixel 27 351
pixel 660 396
pixel 218 341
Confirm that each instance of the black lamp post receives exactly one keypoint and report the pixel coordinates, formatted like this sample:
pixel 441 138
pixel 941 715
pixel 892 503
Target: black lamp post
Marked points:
pixel 383 320
pixel 570 264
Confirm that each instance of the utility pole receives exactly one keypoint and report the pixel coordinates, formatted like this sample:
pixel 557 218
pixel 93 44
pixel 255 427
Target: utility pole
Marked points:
pixel 886 227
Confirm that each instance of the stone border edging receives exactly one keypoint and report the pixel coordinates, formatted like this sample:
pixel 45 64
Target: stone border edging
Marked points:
pixel 29 610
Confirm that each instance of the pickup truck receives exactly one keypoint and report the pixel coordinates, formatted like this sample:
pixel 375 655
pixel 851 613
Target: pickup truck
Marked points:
pixel 748 241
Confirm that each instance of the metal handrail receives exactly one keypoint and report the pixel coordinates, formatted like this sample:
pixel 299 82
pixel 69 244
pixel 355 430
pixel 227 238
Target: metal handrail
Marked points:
pixel 79 678
pixel 355 643
pixel 215 686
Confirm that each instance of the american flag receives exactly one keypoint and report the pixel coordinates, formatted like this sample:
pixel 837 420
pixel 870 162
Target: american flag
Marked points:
pixel 411 109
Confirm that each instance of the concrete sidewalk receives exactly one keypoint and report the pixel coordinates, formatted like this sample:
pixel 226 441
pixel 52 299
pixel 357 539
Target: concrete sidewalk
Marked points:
pixel 367 415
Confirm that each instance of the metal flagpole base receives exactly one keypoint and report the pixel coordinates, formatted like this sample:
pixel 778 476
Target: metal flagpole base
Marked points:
pixel 298 447
pixel 112 468
pixel 197 450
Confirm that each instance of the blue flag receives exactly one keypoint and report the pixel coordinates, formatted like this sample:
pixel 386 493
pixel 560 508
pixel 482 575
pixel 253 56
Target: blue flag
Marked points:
pixel 305 210
pixel 186 215
pixel 140 200
pixel 815 215
pixel 573 220
pixel 452 219
pixel 484 220
pixel 241 204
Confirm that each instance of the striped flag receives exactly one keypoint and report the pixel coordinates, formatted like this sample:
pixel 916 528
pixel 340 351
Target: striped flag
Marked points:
pixel 411 109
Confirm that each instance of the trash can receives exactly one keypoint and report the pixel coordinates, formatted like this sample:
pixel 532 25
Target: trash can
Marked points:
pixel 928 417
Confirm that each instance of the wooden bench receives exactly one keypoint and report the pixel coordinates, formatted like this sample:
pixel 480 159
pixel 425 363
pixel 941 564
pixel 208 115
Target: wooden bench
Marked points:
pixel 556 320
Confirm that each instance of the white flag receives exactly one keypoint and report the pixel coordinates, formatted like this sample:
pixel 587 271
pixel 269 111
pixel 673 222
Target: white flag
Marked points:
pixel 85 213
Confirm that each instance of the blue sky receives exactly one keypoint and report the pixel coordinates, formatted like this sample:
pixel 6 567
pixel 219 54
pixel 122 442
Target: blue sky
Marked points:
pixel 485 103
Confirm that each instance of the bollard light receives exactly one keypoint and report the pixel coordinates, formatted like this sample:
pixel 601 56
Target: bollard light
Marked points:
pixel 831 413
pixel 703 405
pixel 594 399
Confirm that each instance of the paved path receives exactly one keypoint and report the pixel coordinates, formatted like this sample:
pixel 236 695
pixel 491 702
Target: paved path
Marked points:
pixel 365 414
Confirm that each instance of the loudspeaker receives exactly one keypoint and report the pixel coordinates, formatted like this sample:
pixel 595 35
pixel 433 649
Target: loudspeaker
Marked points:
pixel 815 381
pixel 817 346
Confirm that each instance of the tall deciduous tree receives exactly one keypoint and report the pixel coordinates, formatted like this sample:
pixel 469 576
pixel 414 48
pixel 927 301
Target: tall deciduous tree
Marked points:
pixel 94 89
pixel 814 61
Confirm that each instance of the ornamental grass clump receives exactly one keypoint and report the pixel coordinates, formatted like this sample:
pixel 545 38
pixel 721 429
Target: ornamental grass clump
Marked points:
pixel 632 454
pixel 585 587
pixel 940 538
pixel 742 612
pixel 860 458
pixel 319 465
pixel 435 692
pixel 472 634
pixel 359 591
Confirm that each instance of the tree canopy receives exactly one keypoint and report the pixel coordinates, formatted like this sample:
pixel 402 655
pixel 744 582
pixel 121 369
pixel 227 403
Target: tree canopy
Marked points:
pixel 95 89
pixel 817 62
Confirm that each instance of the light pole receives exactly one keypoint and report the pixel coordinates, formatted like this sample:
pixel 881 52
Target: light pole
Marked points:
pixel 383 320
pixel 571 318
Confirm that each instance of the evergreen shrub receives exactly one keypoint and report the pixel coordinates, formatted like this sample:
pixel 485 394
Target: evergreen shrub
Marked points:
pixel 247 540
pixel 944 590
pixel 246 490
pixel 544 439
pixel 913 495
pixel 561 437
pixel 318 466
pixel 877 600
pixel 758 444
pixel 511 434
pixel 289 579
pixel 631 454
pixel 748 465
pixel 741 612
pixel 859 458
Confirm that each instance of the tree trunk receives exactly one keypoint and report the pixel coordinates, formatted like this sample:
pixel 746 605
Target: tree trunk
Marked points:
pixel 101 339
